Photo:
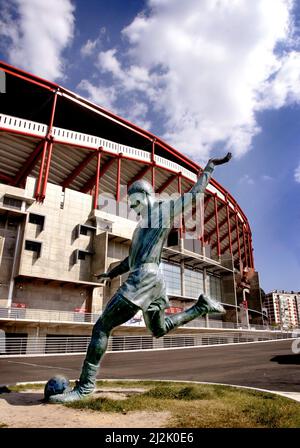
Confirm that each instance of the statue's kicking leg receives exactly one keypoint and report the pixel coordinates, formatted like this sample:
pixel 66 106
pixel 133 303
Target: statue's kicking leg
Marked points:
pixel 118 311
pixel 160 324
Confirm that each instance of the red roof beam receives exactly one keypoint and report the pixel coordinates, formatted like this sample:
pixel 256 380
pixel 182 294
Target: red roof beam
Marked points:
pixel 216 212
pixel 118 182
pixel 97 178
pixel 229 228
pixel 236 251
pixel 233 242
pixel 245 247
pixel 29 164
pixel 166 183
pixel 91 182
pixel 78 169
pixel 139 175
pixel 221 224
pixel 212 214
pixel 6 178
pixel 28 77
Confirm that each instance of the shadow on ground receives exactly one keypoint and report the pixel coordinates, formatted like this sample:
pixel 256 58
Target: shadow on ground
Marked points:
pixel 23 399
pixel 286 359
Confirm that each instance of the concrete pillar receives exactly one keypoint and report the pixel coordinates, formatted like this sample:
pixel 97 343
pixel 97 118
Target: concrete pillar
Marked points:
pixel 13 269
pixel 181 244
pixel 205 290
pixel 235 295
pixel 35 343
pixel 97 300
pixel 2 342
pixel 182 278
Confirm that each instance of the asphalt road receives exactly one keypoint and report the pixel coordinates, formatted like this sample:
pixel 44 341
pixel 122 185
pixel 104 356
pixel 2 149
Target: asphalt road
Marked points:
pixel 270 365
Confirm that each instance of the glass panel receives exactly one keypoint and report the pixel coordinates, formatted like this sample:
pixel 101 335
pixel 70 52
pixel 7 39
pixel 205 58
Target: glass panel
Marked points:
pixel 215 287
pixel 11 202
pixel 193 283
pixel 171 273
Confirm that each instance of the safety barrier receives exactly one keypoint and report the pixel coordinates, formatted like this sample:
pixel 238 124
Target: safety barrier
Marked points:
pixel 37 315
pixel 50 345
pixel 53 316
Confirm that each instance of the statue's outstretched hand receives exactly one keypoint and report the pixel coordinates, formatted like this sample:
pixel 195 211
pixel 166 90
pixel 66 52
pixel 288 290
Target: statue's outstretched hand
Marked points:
pixel 102 277
pixel 222 160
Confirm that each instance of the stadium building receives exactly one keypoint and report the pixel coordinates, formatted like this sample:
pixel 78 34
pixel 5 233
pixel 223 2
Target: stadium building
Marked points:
pixel 65 164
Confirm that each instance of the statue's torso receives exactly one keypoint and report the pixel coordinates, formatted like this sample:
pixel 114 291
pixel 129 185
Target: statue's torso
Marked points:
pixel 149 236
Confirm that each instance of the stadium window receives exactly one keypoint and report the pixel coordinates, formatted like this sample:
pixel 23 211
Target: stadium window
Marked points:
pixel 12 223
pixel 2 221
pixel 39 220
pixel 80 255
pixel 83 229
pixel 215 287
pixel 9 247
pixel 171 274
pixel 12 203
pixel 193 281
pixel 33 246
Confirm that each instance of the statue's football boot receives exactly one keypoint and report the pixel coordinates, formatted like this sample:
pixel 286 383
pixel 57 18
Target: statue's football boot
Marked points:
pixel 207 305
pixel 204 305
pixel 83 388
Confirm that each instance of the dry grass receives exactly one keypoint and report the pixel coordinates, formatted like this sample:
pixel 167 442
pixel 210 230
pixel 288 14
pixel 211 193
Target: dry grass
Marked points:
pixel 23 387
pixel 195 405
pixel 202 406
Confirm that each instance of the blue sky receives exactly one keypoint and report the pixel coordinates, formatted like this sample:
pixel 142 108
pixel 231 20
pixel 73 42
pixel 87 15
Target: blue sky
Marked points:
pixel 205 75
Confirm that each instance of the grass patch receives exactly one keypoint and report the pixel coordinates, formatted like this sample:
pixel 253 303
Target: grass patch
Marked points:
pixel 167 392
pixel 201 406
pixel 133 383
pixel 23 387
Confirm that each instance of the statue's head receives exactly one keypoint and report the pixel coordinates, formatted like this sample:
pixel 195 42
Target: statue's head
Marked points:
pixel 140 195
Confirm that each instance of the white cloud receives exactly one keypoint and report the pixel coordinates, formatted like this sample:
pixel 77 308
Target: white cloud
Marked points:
pixel 246 179
pixel 107 96
pixel 284 89
pixel 136 114
pixel 107 62
pixel 297 174
pixel 266 177
pixel 101 95
pixel 90 46
pixel 207 66
pixel 36 33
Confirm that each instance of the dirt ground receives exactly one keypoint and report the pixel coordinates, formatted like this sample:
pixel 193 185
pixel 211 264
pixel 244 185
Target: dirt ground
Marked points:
pixel 26 410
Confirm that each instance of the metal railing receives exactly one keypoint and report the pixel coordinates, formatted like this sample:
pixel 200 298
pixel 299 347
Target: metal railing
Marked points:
pixel 213 323
pixel 48 345
pixel 38 315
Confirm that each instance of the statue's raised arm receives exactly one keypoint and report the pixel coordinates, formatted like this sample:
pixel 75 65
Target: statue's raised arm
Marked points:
pixel 199 187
